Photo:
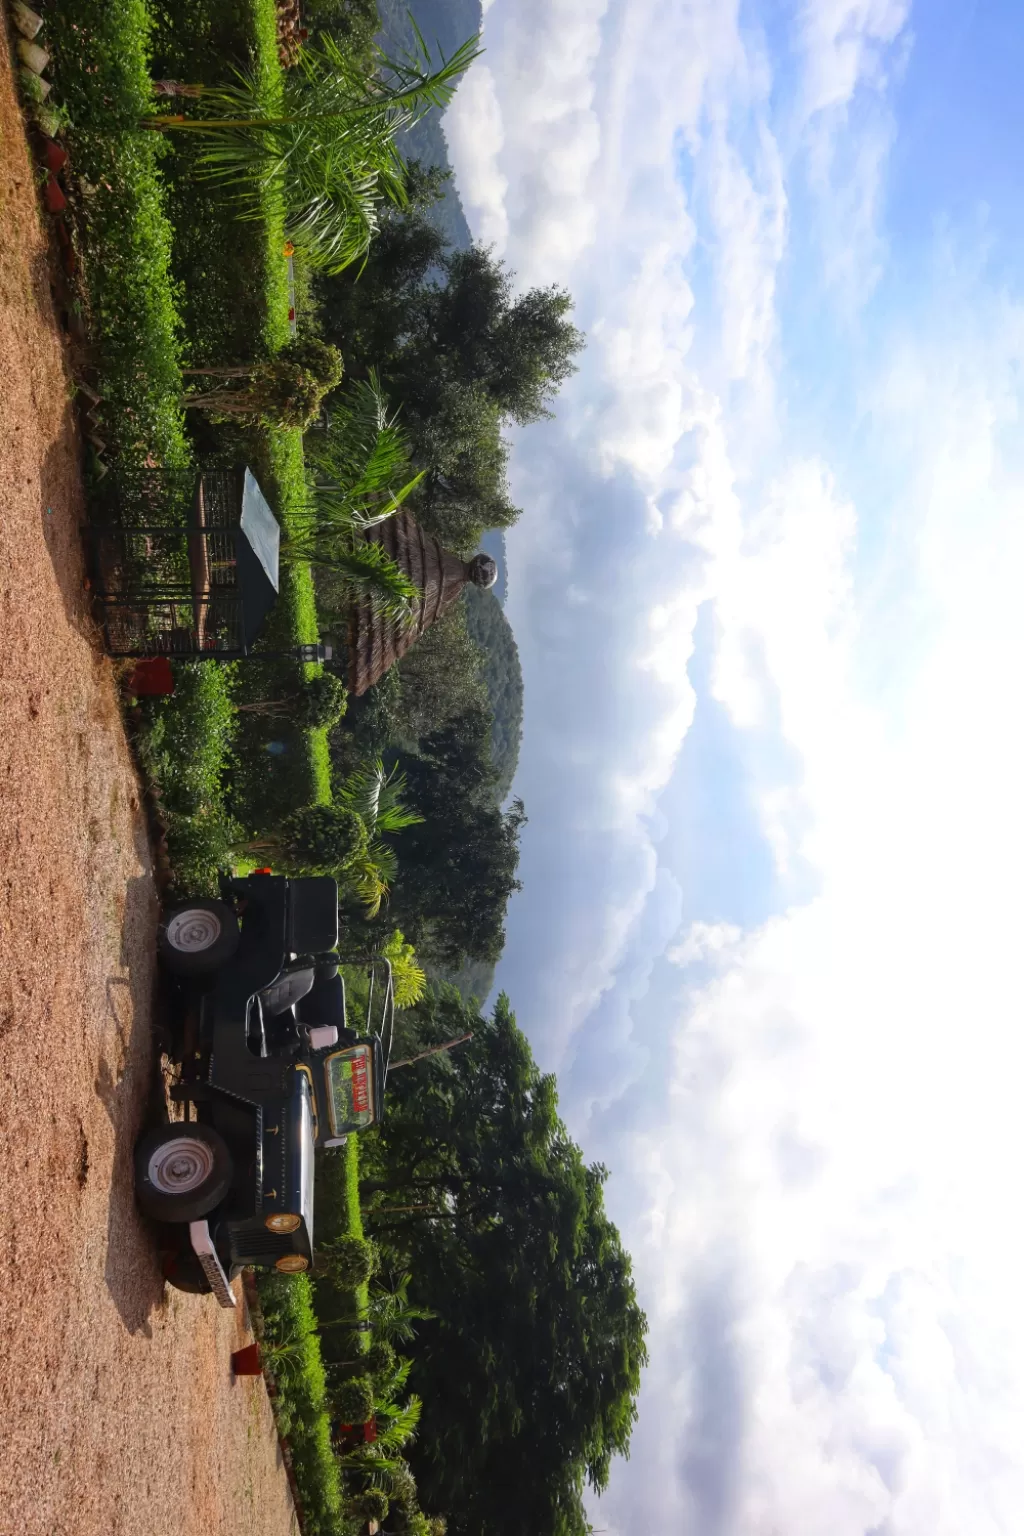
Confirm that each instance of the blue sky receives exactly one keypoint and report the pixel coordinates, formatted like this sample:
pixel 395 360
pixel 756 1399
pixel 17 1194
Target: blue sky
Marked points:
pixel 766 589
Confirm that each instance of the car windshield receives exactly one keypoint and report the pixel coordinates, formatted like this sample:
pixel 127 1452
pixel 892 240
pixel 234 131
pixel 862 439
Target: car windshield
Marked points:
pixel 350 1089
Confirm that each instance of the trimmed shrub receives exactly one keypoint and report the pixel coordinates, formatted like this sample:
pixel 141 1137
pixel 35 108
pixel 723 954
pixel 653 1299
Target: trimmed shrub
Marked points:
pixel 322 839
pixel 353 1400
pixel 349 1261
pixel 322 702
pixel 380 1358
pixel 372 1505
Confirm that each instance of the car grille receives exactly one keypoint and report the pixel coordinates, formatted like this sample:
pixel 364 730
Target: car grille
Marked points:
pixel 251 1243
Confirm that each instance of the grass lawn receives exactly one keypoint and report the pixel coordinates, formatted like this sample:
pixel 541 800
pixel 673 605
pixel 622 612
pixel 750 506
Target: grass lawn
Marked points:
pixel 301 1402
pixel 290 1311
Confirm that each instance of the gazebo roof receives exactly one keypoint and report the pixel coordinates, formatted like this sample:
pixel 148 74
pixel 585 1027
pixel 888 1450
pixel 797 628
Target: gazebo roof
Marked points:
pixel 376 642
pixel 258 555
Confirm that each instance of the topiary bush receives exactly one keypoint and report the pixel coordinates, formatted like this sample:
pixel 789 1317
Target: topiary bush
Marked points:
pixel 349 1260
pixel 372 1505
pixel 353 1400
pixel 380 1358
pixel 322 702
pixel 322 839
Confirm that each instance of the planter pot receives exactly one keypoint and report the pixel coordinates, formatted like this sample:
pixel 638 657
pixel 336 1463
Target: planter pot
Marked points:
pixel 26 21
pixel 31 55
pixel 55 158
pixel 47 120
pixel 53 197
pixel 246 1362
pixel 35 87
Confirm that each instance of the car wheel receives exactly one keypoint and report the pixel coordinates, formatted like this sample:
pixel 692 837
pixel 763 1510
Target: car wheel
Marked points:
pixel 197 937
pixel 181 1172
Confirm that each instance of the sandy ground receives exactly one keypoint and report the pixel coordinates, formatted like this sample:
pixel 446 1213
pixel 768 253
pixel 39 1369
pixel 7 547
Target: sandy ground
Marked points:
pixel 118 1406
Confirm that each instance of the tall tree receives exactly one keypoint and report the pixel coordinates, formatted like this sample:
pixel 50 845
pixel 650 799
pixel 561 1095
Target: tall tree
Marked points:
pixel 461 354
pixel 530 1368
pixel 457 867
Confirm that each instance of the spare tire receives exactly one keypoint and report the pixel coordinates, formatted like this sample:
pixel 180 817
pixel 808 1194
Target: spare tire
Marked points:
pixel 197 937
pixel 182 1171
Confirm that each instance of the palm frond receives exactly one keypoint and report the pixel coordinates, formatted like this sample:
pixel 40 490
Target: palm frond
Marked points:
pixel 401 1427
pixel 376 796
pixel 364 566
pixel 362 459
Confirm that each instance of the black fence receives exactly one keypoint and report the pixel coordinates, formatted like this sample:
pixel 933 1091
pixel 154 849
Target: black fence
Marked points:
pixel 163 551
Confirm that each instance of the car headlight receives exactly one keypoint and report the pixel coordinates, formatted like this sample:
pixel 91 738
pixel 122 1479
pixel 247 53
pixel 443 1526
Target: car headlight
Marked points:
pixel 292 1263
pixel 283 1221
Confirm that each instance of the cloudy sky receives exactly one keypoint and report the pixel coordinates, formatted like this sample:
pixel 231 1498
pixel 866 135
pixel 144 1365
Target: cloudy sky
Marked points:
pixel 767 589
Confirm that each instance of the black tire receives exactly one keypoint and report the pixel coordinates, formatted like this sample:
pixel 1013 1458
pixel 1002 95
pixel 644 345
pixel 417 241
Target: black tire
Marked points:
pixel 181 1172
pixel 197 937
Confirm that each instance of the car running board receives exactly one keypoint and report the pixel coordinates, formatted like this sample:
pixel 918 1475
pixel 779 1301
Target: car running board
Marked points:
pixel 213 1269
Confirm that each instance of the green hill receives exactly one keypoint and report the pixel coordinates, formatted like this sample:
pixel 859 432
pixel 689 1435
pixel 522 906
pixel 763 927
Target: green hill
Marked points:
pixel 445 25
pixel 503 679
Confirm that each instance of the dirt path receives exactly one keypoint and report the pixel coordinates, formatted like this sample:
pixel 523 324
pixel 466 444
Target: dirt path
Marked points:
pixel 120 1416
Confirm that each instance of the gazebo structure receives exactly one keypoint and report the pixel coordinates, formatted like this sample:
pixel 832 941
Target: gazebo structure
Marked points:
pixel 376 642
pixel 184 564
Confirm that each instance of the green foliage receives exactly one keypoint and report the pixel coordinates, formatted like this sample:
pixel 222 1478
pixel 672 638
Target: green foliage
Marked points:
pixel 354 23
pixel 329 146
pixel 459 865
pixel 287 388
pixel 101 63
pixel 352 1401
pixel 529 1372
pixel 361 463
pixel 408 978
pixel 502 677
pixel 322 702
pixel 444 23
pixel 372 1505
pixel 362 569
pixel 376 797
pixel 320 839
pixel 184 743
pixel 381 1361
pixel 301 1406
pixel 370 726
pixel 440 676
pixel 186 738
pixel 347 1260
pixel 462 356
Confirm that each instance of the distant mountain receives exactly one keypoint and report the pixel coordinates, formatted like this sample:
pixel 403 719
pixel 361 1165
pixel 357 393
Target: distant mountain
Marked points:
pixel 445 25
pixel 503 679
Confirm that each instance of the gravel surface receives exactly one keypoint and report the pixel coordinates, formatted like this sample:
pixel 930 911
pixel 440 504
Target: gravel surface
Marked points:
pixel 119 1410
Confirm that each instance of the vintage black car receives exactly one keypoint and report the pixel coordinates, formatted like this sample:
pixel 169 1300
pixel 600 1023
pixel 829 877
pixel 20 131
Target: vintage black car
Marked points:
pixel 270 1071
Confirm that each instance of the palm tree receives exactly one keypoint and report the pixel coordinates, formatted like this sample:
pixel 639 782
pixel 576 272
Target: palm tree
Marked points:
pixel 391 1313
pixel 376 797
pixel 360 468
pixel 360 476
pixel 327 144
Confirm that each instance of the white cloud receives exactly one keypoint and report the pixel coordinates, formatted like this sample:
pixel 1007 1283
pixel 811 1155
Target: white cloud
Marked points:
pixel 846 43
pixel 703 941
pixel 475 133
pixel 839 1163
pixel 852 50
pixel 822 1216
